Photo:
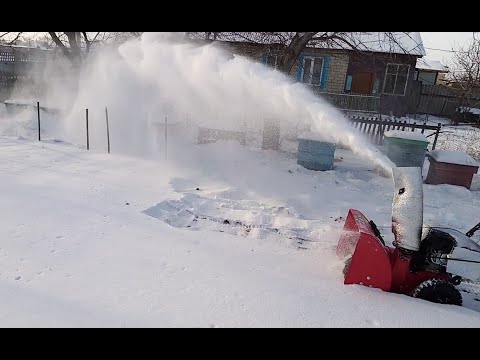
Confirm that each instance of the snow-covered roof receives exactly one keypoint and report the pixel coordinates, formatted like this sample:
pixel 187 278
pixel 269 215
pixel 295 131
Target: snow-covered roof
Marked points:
pixel 453 157
pixel 384 42
pixel 312 136
pixel 393 43
pixel 431 65
pixel 25 47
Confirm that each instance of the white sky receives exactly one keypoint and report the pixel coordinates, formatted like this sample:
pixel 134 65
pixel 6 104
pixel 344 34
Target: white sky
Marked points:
pixel 443 40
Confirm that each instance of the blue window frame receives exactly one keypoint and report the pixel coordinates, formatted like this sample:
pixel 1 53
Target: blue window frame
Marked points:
pixel 313 70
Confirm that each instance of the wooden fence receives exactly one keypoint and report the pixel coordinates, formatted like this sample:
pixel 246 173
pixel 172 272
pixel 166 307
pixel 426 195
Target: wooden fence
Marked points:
pixel 208 135
pixel 353 102
pixel 437 100
pixel 375 128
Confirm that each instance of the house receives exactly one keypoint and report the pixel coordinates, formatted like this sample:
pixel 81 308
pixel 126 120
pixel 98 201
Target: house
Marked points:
pixel 375 74
pixel 430 72
pixel 18 65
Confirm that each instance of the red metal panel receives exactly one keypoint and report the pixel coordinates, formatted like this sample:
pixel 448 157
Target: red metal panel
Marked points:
pixel 370 264
pixel 403 280
pixel 355 223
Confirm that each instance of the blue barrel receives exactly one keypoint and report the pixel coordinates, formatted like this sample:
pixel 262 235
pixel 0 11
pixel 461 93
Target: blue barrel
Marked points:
pixel 315 155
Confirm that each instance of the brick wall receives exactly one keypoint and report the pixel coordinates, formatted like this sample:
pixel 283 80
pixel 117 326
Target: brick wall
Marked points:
pixel 337 65
pixel 337 73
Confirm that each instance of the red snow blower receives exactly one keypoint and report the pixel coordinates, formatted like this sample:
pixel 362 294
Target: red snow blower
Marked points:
pixel 424 262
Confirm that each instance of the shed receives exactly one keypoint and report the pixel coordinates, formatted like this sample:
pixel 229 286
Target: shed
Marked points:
pixel 451 167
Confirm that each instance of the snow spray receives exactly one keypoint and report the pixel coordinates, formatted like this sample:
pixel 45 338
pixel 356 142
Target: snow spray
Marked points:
pixel 160 74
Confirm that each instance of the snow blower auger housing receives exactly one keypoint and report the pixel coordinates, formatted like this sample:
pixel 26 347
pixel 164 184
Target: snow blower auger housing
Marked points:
pixel 424 262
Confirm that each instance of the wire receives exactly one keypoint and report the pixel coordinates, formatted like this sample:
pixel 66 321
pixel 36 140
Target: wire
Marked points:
pixel 453 259
pixel 453 51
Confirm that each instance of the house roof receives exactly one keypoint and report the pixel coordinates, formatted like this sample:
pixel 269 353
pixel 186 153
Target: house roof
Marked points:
pixel 431 65
pixel 393 43
pixel 384 42
pixel 4 46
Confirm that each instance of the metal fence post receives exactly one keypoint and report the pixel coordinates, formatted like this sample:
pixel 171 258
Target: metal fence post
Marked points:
pixel 86 120
pixel 38 117
pixel 436 136
pixel 108 130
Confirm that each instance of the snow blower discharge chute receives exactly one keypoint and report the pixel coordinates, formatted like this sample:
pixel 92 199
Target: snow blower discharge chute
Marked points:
pixel 424 262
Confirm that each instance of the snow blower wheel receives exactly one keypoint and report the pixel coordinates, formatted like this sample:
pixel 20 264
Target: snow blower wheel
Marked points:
pixel 438 291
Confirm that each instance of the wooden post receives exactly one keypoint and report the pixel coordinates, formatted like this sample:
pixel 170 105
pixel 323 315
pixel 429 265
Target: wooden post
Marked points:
pixel 166 132
pixel 436 136
pixel 108 130
pixel 86 120
pixel 38 117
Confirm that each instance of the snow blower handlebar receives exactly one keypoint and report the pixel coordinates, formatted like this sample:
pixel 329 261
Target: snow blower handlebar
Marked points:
pixel 473 230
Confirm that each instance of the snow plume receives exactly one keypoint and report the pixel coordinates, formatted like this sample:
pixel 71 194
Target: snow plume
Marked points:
pixel 146 79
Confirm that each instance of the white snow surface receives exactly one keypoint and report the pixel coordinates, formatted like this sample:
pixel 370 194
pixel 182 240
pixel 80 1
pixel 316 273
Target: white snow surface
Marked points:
pixel 409 135
pixel 91 239
pixel 462 137
pixel 431 65
pixel 453 157
pixel 472 110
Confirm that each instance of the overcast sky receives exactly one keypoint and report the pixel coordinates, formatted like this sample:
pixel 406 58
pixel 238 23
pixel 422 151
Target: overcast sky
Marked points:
pixel 445 41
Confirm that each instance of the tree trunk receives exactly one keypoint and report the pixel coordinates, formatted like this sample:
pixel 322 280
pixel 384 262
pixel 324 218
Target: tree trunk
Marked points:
pixel 289 56
pixel 75 51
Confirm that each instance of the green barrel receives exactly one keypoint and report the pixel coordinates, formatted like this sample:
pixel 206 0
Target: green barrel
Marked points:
pixel 405 152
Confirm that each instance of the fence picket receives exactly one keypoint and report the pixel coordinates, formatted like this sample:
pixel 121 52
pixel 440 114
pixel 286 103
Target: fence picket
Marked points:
pixel 375 128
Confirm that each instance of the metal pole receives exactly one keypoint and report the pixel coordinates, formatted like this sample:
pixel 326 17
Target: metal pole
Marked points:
pixel 108 130
pixel 38 116
pixel 166 122
pixel 436 136
pixel 86 119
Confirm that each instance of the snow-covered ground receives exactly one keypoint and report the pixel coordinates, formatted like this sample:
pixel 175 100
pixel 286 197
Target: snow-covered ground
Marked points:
pixel 223 237
pixel 462 137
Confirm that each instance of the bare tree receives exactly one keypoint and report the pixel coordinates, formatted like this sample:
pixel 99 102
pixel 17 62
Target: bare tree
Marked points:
pixel 73 45
pixel 10 38
pixel 465 75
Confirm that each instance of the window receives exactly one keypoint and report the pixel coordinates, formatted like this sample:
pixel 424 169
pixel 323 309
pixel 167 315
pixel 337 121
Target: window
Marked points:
pixel 271 60
pixel 312 70
pixel 427 78
pixel 376 86
pixel 348 83
pixel 396 79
